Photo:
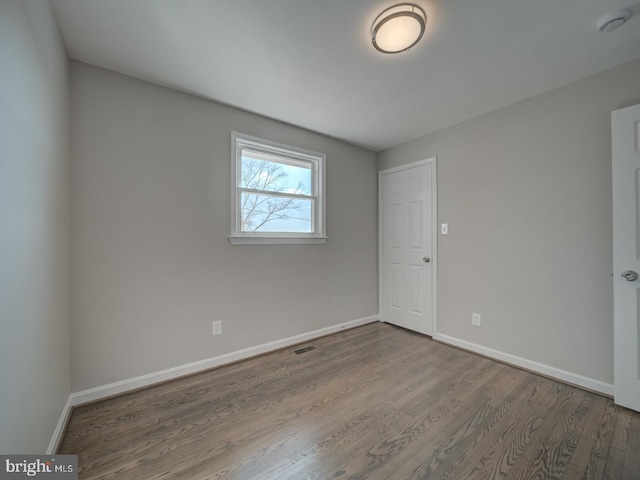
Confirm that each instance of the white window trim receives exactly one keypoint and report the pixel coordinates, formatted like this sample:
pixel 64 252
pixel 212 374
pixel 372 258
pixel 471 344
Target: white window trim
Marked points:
pixel 238 237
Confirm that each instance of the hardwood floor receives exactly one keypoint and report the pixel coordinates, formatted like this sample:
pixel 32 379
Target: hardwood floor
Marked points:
pixel 375 402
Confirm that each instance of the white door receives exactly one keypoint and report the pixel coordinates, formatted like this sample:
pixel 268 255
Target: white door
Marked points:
pixel 626 254
pixel 407 206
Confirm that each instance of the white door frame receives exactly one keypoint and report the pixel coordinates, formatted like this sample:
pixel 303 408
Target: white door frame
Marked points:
pixel 434 215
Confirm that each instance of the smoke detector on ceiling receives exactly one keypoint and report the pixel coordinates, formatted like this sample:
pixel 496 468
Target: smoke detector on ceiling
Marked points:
pixel 614 20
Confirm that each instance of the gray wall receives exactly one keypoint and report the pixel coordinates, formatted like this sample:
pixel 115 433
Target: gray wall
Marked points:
pixel 526 191
pixel 151 263
pixel 34 226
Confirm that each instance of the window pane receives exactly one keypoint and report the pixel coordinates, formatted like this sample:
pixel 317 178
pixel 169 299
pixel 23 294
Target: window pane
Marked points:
pixel 260 174
pixel 271 213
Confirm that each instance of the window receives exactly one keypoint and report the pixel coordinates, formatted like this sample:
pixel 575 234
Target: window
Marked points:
pixel 277 193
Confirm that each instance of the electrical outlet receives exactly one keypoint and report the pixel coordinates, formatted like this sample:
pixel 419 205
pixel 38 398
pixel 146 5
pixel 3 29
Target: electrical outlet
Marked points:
pixel 476 320
pixel 217 328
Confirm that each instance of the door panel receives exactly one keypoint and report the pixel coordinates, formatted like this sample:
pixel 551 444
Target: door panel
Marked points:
pixel 407 273
pixel 416 225
pixel 626 254
pixel 417 293
pixel 395 284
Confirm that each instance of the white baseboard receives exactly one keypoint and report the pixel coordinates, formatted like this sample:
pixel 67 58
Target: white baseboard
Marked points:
pixel 56 438
pixel 122 386
pixel 542 369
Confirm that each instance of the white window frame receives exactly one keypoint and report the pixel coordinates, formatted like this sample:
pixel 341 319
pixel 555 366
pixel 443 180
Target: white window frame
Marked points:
pixel 292 155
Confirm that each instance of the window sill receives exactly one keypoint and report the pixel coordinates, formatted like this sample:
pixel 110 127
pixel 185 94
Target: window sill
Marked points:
pixel 275 240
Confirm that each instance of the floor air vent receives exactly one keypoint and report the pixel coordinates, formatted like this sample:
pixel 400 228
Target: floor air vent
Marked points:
pixel 301 350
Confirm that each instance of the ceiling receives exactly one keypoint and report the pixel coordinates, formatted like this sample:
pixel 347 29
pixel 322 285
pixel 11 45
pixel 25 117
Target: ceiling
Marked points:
pixel 311 63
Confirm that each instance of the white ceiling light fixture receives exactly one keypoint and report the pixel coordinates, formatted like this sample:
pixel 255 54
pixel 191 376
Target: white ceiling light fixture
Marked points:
pixel 398 28
pixel 614 20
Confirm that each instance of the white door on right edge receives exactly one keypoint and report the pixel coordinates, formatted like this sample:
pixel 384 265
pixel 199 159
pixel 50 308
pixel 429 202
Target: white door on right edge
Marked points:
pixel 626 254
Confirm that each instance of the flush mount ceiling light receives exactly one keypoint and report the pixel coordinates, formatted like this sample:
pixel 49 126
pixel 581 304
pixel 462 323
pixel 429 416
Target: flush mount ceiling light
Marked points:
pixel 614 20
pixel 398 28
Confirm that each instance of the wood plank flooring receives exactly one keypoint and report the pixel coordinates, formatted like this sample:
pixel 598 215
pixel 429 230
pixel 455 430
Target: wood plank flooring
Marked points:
pixel 375 402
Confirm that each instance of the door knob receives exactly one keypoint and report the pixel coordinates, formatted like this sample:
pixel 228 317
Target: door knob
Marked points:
pixel 629 275
pixel 428 259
